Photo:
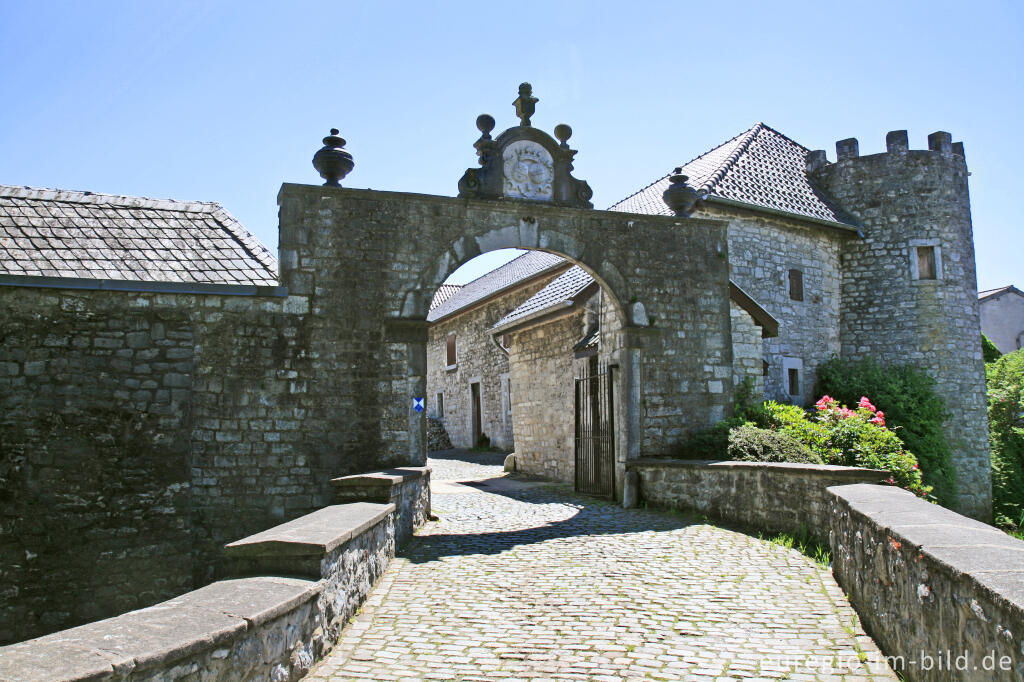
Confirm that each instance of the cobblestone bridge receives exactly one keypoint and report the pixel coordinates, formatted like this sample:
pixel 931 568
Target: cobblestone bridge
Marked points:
pixel 522 580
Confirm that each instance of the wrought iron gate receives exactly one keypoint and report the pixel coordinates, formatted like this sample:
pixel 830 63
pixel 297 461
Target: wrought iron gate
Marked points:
pixel 595 432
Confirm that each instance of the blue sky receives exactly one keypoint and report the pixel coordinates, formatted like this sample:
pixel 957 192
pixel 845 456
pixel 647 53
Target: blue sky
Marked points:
pixel 224 101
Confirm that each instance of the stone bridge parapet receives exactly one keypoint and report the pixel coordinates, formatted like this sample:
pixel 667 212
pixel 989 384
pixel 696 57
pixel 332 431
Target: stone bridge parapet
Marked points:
pixel 304 580
pixel 942 594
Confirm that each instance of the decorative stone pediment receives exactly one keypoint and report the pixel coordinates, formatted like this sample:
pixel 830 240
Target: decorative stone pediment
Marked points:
pixel 523 163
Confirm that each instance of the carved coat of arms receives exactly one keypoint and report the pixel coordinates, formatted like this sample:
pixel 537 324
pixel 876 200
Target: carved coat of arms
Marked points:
pixel 529 171
pixel 524 163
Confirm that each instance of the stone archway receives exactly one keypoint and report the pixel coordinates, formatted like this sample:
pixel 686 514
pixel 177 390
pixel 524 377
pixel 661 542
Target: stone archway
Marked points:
pixel 369 261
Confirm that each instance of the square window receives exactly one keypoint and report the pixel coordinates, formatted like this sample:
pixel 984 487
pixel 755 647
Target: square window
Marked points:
pixel 926 262
pixel 794 381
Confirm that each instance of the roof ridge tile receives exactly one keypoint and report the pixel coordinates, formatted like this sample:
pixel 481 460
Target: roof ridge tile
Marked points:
pixel 89 197
pixel 748 136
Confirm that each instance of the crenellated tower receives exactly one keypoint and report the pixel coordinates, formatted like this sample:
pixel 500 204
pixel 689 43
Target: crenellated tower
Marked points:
pixel 909 287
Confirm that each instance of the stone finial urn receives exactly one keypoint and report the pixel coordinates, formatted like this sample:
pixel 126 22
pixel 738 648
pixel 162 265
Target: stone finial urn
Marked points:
pixel 333 162
pixel 524 163
pixel 680 197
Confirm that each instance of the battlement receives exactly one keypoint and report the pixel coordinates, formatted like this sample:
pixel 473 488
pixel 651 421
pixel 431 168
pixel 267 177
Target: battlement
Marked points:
pixel 896 142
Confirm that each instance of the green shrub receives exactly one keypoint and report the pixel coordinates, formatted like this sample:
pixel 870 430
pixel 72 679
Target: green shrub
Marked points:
pixel 831 434
pixel 912 409
pixel 710 443
pixel 748 443
pixel 791 419
pixel 848 437
pixel 988 350
pixel 1006 429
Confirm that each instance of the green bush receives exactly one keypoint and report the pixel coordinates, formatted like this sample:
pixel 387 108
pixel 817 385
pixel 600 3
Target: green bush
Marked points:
pixel 748 443
pixel 1006 429
pixel 830 434
pixel 791 419
pixel 912 409
pixel 848 437
pixel 710 443
pixel 988 350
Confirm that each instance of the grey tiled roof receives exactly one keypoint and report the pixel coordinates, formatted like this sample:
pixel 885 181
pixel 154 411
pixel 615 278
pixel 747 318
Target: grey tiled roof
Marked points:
pixel 63 233
pixel 509 275
pixel 760 167
pixel 561 290
pixel 988 293
pixel 443 293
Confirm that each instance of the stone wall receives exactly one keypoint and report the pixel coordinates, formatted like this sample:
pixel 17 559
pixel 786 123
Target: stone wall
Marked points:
pixel 94 431
pixel 437 435
pixel 142 430
pixel 478 360
pixel 776 497
pixel 371 261
pixel 407 488
pixel 906 199
pixel 747 352
pixel 262 627
pixel 929 583
pixel 182 416
pixel 543 396
pixel 762 251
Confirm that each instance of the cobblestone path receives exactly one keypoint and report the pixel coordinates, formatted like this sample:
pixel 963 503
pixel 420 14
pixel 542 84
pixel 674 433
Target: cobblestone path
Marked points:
pixel 526 581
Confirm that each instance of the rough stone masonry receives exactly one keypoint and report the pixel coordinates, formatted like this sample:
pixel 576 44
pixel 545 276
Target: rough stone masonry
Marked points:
pixel 146 429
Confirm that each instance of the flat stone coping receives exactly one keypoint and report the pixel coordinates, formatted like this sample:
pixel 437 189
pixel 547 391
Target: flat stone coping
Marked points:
pixel 957 544
pixel 830 470
pixel 314 534
pixel 384 477
pixel 157 635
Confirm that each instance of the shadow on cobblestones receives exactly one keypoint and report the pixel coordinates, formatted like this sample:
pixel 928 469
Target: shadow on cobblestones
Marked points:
pixel 537 512
pixel 446 463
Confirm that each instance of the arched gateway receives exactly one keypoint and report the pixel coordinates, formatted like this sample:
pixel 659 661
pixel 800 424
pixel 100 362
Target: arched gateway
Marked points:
pixel 369 262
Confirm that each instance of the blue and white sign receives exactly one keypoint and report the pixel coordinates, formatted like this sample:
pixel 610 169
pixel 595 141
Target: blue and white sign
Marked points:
pixel 417 404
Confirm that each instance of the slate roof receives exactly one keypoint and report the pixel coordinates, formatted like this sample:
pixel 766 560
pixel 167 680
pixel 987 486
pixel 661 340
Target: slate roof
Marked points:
pixel 989 293
pixel 508 276
pixel 564 288
pixel 443 293
pixel 557 294
pixel 63 233
pixel 760 167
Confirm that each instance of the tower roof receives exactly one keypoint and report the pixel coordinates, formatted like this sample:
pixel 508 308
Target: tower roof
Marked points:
pixel 760 167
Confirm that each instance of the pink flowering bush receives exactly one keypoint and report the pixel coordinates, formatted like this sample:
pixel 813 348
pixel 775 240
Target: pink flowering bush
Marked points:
pixel 848 437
